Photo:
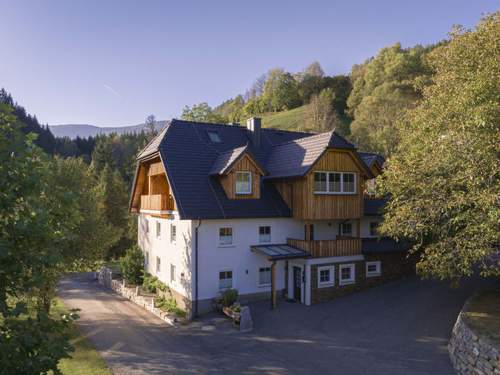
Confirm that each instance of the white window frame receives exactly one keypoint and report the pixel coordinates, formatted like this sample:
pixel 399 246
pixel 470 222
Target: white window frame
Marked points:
pixel 331 282
pixel 158 229
pixel 158 265
pixel 225 244
pixel 258 276
pixel 173 233
pixel 328 183
pixel 261 239
pixel 219 279
pixel 173 273
pixel 377 272
pixel 352 280
pixel 243 192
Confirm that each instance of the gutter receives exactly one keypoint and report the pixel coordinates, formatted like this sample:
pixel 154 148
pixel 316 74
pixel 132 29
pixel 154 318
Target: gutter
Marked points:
pixel 196 269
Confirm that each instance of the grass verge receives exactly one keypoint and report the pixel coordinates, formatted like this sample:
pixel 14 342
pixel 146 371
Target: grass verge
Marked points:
pixel 85 359
pixel 483 314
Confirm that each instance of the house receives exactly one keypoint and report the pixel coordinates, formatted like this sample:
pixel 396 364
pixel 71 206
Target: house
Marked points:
pixel 267 212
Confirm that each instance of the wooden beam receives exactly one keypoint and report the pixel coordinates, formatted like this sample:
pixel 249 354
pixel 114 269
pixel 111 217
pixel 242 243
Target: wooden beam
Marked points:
pixel 273 285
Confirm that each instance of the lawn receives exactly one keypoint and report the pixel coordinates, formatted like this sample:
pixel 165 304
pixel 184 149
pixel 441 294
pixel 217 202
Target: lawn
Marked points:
pixel 483 314
pixel 85 359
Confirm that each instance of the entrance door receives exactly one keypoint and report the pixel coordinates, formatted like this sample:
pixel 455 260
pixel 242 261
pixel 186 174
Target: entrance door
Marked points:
pixel 297 283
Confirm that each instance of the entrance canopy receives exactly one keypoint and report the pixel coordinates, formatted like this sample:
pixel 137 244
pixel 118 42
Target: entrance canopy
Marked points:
pixel 279 252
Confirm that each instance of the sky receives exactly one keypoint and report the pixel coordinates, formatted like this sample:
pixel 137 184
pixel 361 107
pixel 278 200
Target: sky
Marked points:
pixel 112 63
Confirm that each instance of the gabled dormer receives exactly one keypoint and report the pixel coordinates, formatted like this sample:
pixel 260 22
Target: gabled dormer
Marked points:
pixel 239 173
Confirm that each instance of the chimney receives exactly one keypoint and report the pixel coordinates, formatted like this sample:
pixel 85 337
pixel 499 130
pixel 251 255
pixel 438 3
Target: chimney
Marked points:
pixel 253 127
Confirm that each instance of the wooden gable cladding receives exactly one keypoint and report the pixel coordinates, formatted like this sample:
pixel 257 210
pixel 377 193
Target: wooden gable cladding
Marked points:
pixel 299 193
pixel 228 180
pixel 151 190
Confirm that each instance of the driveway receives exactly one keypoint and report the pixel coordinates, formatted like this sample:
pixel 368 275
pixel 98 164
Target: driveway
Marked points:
pixel 397 328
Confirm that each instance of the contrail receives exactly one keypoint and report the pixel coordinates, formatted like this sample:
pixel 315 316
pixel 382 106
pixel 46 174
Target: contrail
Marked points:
pixel 111 90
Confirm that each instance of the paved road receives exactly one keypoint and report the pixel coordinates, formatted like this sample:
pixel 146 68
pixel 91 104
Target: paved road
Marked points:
pixel 398 328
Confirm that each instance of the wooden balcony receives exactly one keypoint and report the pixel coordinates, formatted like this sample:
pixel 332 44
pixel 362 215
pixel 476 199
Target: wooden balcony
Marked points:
pixel 157 202
pixel 329 248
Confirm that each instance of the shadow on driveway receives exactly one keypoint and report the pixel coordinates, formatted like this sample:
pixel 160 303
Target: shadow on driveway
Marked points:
pixel 398 328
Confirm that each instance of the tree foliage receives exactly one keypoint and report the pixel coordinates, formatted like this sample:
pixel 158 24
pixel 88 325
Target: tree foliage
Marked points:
pixel 201 112
pixel 444 176
pixel 132 265
pixel 384 87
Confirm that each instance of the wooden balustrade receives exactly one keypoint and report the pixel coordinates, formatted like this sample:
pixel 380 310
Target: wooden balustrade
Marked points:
pixel 157 202
pixel 329 248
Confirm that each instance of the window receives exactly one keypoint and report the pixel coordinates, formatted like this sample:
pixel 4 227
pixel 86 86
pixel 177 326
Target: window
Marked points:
pixel 346 229
pixel 158 229
pixel 225 236
pixel 225 280
pixel 146 258
pixel 334 182
pixel 173 233
pixel 346 274
pixel 146 225
pixel 172 273
pixel 264 276
pixel 264 234
pixel 373 269
pixel 158 265
pixel 326 276
pixel 349 185
pixel 214 136
pixel 243 183
pixel 320 182
pixel 373 228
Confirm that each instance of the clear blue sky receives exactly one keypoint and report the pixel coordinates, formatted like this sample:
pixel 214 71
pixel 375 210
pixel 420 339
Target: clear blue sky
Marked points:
pixel 111 63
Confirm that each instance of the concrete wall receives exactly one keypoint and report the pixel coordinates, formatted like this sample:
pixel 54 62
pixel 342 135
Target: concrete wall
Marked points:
pixel 177 253
pixel 237 257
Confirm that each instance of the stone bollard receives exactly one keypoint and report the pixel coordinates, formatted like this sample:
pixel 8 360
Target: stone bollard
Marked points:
pixel 246 322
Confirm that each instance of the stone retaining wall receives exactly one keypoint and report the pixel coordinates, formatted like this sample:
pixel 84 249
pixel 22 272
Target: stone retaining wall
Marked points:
pixel 105 278
pixel 470 353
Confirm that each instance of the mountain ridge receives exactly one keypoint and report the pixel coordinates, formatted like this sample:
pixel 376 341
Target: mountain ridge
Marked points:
pixel 87 130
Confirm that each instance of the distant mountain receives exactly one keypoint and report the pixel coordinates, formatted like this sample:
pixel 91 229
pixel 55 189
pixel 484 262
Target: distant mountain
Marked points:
pixel 83 130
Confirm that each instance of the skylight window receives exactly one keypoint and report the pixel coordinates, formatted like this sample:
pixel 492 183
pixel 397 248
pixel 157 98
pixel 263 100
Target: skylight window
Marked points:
pixel 214 136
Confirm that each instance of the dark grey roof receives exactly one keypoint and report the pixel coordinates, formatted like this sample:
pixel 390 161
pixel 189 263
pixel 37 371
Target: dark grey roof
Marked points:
pixel 296 157
pixel 277 252
pixel 153 145
pixel 383 245
pixel 369 158
pixel 188 155
pixel 225 161
pixel 191 159
pixel 374 206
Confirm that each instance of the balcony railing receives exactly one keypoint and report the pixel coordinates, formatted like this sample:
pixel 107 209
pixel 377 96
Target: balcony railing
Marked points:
pixel 329 248
pixel 157 202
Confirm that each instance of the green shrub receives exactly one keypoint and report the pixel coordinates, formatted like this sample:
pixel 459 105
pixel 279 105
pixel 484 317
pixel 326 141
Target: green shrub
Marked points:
pixel 229 297
pixel 169 305
pixel 132 265
pixel 149 283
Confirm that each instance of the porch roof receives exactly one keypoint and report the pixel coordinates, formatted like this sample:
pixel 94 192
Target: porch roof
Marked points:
pixel 280 251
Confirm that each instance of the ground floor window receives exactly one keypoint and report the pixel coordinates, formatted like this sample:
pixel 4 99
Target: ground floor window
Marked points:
pixel 225 280
pixel 326 276
pixel 346 274
pixel 373 269
pixel 264 276
pixel 172 273
pixel 158 264
pixel 146 258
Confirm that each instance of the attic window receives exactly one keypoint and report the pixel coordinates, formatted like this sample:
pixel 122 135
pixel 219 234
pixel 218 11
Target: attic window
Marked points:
pixel 214 136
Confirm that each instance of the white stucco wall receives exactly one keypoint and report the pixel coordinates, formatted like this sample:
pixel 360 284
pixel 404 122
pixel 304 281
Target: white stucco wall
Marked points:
pixel 237 257
pixel 177 253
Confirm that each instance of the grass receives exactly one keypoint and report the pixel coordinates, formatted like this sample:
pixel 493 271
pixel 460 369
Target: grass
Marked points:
pixel 286 120
pixel 85 359
pixel 483 314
